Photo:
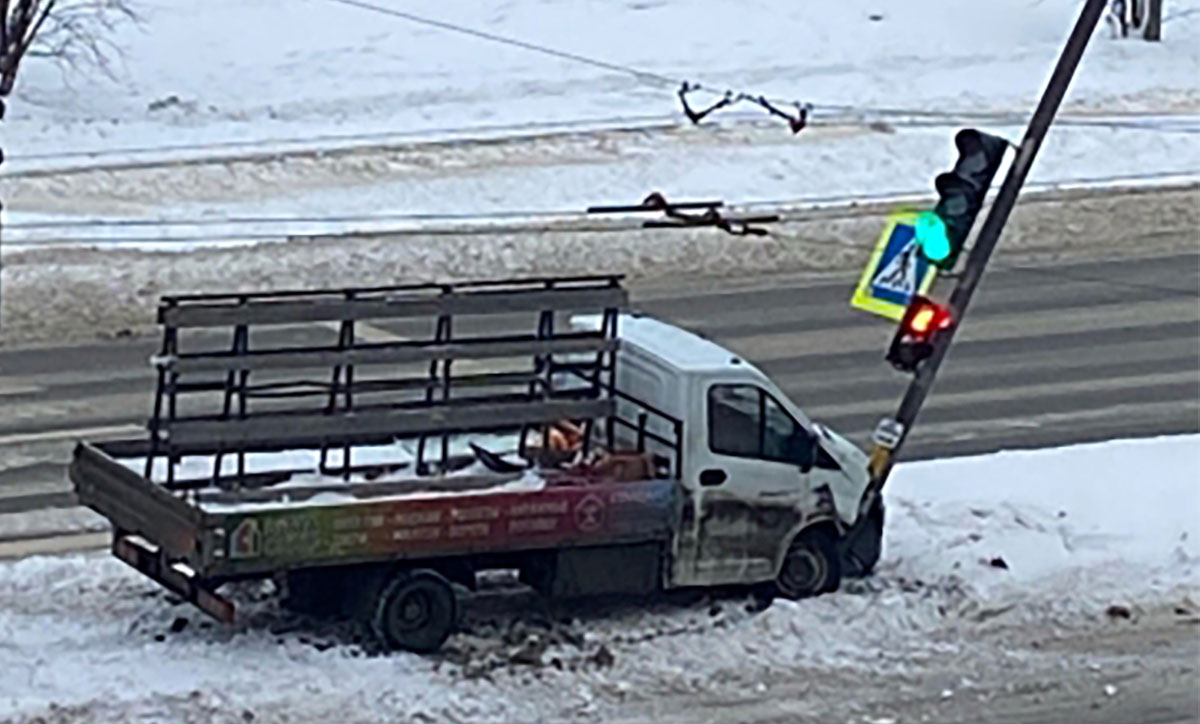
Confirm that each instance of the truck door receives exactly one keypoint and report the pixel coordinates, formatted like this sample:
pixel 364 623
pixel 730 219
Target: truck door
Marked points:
pixel 753 486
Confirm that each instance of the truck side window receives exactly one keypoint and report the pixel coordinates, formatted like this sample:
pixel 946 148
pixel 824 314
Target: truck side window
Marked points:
pixel 734 420
pixel 744 421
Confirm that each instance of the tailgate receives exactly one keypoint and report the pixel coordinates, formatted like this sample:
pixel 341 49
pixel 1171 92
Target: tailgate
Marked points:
pixel 136 506
pixel 153 531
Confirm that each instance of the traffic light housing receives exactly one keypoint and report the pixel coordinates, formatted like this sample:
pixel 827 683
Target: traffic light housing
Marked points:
pixel 913 343
pixel 941 233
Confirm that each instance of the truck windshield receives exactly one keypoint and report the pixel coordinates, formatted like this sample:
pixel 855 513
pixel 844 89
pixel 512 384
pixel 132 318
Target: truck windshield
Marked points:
pixel 745 421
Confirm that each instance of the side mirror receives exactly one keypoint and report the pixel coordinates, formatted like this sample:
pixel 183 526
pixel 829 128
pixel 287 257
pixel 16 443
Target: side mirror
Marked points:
pixel 802 449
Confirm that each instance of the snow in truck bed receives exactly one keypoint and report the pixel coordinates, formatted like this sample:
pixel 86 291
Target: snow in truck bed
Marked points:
pixel 304 464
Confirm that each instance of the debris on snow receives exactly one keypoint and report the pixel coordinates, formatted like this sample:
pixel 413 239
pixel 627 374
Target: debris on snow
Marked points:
pixel 603 658
pixel 530 652
pixel 1118 611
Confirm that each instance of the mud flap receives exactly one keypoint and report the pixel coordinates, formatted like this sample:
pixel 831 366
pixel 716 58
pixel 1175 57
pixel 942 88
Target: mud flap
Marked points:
pixel 176 577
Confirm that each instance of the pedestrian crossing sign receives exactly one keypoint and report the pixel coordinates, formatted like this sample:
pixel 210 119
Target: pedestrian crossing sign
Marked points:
pixel 896 270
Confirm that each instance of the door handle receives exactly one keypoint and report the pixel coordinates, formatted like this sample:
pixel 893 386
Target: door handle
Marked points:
pixel 712 477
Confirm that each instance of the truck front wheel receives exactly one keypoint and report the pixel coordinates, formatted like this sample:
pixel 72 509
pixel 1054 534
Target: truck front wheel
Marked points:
pixel 415 611
pixel 812 565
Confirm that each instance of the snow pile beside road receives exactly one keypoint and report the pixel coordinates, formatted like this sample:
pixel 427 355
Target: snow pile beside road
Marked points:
pixel 1078 528
pixel 1127 512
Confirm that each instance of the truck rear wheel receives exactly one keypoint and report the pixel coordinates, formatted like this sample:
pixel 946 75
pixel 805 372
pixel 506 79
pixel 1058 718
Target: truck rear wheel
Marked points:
pixel 812 565
pixel 415 611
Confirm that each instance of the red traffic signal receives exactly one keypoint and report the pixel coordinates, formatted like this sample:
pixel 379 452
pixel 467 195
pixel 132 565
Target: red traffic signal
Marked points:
pixel 913 342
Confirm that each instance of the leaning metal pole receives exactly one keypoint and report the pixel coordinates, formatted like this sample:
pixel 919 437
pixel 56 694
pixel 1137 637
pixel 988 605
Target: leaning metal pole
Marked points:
pixel 883 454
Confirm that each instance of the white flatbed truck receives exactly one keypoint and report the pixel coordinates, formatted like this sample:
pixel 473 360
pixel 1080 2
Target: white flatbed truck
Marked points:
pixel 693 468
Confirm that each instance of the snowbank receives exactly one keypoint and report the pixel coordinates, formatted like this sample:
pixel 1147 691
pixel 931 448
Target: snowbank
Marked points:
pixel 1079 528
pixel 1130 506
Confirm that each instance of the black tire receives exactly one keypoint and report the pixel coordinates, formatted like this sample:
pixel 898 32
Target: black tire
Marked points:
pixel 861 549
pixel 812 565
pixel 415 611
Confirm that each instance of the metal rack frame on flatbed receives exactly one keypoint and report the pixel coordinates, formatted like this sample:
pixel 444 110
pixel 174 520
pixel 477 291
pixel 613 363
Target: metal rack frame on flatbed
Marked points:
pixel 403 402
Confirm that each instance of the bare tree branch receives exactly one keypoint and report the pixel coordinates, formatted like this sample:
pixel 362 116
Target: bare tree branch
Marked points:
pixel 19 27
pixel 4 24
pixel 74 33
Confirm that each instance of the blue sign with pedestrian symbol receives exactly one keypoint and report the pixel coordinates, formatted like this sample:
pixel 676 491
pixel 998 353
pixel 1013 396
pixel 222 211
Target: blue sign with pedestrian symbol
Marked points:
pixel 896 270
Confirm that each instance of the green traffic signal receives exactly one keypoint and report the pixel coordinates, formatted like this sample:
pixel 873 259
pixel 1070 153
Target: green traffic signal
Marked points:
pixel 932 237
pixel 942 232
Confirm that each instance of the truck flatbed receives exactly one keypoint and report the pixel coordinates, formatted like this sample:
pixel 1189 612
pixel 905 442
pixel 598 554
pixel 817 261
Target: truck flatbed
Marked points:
pixel 369 522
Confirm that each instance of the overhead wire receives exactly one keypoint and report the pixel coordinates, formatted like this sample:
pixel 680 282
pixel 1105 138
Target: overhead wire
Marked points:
pixel 657 78
pixel 437 135
pixel 562 54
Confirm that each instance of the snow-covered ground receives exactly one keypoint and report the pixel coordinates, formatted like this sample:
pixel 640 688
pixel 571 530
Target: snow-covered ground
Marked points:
pixel 200 80
pixel 1018 541
pixel 277 70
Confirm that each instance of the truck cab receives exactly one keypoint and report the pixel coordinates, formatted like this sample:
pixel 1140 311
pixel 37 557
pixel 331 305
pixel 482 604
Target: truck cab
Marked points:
pixel 755 473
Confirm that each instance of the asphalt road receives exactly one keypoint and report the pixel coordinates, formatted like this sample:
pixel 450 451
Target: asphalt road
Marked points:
pixel 1049 355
